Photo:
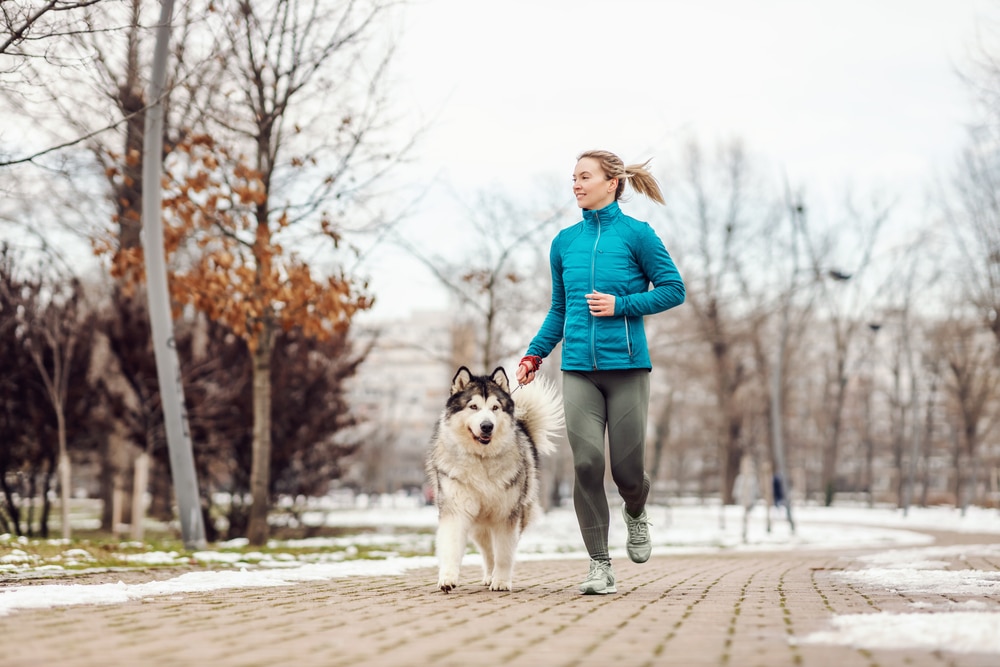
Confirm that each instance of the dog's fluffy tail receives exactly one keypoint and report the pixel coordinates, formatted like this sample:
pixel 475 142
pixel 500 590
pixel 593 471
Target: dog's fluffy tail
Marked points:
pixel 538 407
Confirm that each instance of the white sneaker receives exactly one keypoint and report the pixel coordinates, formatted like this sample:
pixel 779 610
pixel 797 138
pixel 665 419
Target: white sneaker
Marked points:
pixel 638 545
pixel 600 580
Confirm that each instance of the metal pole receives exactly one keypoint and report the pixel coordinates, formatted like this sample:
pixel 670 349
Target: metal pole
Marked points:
pixel 915 423
pixel 168 369
pixel 796 210
pixel 778 440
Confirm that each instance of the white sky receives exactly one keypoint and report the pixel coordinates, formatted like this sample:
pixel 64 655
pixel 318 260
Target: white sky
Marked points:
pixel 905 562
pixel 835 94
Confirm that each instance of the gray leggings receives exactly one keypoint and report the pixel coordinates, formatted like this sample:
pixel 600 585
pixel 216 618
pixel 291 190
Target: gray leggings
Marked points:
pixel 618 402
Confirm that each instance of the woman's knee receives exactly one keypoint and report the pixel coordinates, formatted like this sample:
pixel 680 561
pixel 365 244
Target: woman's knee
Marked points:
pixel 629 479
pixel 589 469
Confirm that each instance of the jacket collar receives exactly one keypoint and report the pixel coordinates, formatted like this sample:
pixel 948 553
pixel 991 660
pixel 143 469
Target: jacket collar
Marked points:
pixel 602 215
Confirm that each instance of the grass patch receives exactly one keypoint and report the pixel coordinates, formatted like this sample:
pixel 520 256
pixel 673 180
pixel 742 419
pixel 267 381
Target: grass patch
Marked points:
pixel 89 551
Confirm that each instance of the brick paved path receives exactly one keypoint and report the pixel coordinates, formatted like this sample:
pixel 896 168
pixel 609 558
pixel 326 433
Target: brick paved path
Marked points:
pixel 742 610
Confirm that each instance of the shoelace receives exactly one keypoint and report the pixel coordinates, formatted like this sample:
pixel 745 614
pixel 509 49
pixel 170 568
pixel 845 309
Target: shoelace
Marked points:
pixel 640 530
pixel 599 566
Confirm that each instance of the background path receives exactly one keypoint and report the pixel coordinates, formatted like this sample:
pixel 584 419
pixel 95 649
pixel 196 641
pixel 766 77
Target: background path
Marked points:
pixel 743 610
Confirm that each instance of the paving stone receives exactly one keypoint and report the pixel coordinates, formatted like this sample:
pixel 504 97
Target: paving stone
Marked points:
pixel 721 610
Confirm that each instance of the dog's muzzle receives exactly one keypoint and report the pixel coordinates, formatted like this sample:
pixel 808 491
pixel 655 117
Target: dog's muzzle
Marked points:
pixel 485 433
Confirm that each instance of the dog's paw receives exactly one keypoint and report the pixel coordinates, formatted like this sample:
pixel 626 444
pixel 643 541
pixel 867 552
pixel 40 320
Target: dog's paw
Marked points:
pixel 447 584
pixel 487 581
pixel 500 586
pixel 447 578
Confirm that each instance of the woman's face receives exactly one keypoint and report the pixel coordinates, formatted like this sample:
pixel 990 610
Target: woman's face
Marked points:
pixel 592 188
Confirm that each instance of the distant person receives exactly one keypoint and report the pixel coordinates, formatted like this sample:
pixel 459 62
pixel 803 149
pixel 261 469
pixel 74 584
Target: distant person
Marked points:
pixel 778 491
pixel 602 269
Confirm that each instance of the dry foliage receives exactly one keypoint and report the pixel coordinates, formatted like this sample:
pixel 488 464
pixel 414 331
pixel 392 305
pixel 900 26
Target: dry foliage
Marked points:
pixel 225 263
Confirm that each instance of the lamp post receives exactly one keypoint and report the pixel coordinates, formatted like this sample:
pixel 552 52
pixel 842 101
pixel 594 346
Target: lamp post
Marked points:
pixel 168 370
pixel 778 440
pixel 777 396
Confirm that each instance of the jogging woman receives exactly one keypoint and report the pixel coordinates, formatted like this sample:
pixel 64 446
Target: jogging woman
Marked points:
pixel 608 271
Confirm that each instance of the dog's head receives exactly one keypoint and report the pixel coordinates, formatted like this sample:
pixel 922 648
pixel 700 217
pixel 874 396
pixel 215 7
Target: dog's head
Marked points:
pixel 480 405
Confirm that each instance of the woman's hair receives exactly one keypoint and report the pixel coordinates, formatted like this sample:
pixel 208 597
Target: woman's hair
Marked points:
pixel 637 174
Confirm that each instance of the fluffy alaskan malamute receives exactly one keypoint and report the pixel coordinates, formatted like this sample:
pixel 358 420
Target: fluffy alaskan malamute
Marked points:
pixel 483 468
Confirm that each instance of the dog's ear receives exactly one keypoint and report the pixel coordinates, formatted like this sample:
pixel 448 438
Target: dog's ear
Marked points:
pixel 500 377
pixel 462 378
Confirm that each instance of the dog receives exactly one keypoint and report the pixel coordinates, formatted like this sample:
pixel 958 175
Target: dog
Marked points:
pixel 482 466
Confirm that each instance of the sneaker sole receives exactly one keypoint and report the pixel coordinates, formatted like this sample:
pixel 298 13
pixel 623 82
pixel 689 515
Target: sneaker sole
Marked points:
pixel 639 558
pixel 603 591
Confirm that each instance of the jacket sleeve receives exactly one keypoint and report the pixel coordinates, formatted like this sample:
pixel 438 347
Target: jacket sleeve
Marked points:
pixel 668 287
pixel 551 331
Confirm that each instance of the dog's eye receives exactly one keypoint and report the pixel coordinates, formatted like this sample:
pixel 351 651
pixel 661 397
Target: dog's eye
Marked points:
pixel 495 408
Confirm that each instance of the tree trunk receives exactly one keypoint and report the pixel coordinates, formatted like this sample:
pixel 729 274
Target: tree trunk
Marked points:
pixel 46 510
pixel 733 457
pixel 971 480
pixel 727 384
pixel 117 503
pixel 260 467
pixel 64 472
pixel 140 481
pixel 868 480
pixel 831 452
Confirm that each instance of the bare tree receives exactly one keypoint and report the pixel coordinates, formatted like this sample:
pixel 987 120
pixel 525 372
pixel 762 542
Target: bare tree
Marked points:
pixel 51 319
pixel 56 48
pixel 495 287
pixel 682 405
pixel 972 384
pixel 972 206
pixel 30 27
pixel 975 221
pixel 900 328
pixel 844 311
pixel 20 393
pixel 719 200
pixel 308 107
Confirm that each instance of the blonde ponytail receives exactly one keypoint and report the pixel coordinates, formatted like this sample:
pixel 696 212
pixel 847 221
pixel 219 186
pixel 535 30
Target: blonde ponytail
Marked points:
pixel 638 175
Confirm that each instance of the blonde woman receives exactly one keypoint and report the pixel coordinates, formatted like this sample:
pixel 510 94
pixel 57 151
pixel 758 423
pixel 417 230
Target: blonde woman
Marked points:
pixel 609 271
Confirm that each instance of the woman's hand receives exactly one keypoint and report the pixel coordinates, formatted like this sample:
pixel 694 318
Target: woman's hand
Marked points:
pixel 526 369
pixel 601 305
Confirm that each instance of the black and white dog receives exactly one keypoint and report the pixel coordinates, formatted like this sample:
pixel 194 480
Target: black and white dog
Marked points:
pixel 483 468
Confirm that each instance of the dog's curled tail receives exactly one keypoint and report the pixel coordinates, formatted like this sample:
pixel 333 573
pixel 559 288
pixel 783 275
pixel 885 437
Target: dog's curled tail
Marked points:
pixel 539 408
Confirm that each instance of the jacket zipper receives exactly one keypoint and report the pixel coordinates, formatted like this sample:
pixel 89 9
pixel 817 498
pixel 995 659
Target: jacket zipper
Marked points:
pixel 628 338
pixel 593 286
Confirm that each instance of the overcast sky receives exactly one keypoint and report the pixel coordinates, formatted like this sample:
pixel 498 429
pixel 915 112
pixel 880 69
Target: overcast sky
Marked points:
pixel 835 94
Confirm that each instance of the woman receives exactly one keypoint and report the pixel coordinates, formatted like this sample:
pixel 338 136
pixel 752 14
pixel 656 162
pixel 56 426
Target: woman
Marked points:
pixel 602 269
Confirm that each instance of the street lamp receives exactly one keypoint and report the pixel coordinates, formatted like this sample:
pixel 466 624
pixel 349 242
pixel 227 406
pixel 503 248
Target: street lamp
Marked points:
pixel 780 481
pixel 838 275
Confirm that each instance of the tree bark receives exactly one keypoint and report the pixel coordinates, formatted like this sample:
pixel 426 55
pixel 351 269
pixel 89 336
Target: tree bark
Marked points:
pixel 64 473
pixel 260 467
pixel 140 481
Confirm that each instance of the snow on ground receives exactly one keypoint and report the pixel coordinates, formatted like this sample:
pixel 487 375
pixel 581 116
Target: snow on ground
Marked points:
pixel 964 626
pixel 905 562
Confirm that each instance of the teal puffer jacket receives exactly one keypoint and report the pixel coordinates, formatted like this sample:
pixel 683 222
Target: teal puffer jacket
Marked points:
pixel 612 253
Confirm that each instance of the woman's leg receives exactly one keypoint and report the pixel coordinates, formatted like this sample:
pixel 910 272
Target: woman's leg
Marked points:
pixel 627 408
pixel 584 406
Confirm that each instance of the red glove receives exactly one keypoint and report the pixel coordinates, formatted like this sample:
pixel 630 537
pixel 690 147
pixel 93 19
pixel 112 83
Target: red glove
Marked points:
pixel 531 362
pixel 526 369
